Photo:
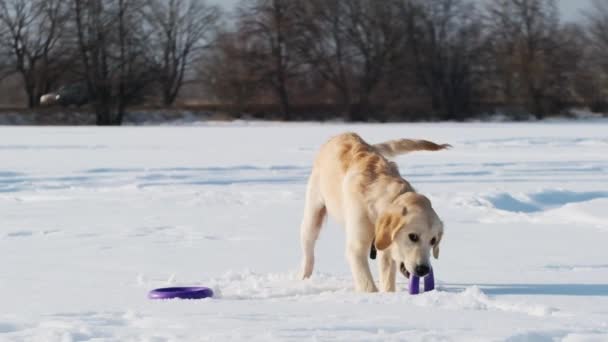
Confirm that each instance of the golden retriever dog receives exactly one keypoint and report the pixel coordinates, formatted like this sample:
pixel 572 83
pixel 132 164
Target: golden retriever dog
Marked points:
pixel 359 187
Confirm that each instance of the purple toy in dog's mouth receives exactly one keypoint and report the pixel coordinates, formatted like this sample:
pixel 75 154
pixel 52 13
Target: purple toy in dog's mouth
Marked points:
pixel 414 283
pixel 429 283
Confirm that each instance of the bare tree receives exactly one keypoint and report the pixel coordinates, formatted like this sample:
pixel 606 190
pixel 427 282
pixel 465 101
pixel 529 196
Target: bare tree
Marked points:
pixel 376 33
pixel 31 32
pixel 446 40
pixel 525 40
pixel 323 44
pixel 227 74
pixel 181 31
pixel 351 44
pixel 113 53
pixel 597 27
pixel 268 27
pixel 594 82
pixel 566 64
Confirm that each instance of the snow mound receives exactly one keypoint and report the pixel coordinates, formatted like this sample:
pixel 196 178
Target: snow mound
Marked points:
pixel 327 288
pixel 551 206
pixel 539 201
pixel 250 285
pixel 591 212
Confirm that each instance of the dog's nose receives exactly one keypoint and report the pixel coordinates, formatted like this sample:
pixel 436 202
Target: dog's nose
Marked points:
pixel 422 270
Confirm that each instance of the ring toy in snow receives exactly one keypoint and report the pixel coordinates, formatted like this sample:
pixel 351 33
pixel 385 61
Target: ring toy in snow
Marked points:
pixel 429 283
pixel 181 293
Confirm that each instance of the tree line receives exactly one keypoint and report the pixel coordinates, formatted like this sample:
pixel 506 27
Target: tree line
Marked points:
pixel 352 59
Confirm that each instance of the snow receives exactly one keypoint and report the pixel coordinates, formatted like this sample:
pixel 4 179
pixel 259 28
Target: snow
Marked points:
pixel 91 219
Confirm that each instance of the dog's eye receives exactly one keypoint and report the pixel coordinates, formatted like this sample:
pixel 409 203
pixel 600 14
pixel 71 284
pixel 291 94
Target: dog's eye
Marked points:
pixel 433 241
pixel 414 237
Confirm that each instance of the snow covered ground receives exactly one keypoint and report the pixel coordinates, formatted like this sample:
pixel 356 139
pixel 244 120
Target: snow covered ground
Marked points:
pixel 91 219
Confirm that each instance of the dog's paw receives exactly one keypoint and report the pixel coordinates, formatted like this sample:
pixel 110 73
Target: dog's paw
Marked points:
pixel 306 270
pixel 367 287
pixel 305 273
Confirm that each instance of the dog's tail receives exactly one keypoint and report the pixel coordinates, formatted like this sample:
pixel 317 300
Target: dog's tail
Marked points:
pixel 394 148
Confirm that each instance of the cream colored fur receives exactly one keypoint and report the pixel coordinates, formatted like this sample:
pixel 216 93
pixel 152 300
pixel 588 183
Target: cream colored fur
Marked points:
pixel 361 189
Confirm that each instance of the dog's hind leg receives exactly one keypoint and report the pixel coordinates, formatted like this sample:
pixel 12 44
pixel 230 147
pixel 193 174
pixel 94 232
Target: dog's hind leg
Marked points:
pixel 314 215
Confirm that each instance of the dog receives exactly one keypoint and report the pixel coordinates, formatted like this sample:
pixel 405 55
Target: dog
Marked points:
pixel 356 184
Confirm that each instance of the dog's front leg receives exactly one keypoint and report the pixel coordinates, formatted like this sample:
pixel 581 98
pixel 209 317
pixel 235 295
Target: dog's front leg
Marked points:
pixel 388 269
pixel 356 252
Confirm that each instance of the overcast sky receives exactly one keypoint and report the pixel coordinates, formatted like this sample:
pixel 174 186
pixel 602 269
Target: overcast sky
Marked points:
pixel 570 8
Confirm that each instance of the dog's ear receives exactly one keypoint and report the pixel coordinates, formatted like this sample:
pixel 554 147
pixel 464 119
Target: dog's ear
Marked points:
pixel 436 246
pixel 387 226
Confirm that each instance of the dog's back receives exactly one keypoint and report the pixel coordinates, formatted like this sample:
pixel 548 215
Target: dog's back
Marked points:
pixel 348 161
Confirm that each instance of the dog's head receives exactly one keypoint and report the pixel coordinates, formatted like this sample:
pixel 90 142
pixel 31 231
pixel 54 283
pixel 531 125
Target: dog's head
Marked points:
pixel 410 229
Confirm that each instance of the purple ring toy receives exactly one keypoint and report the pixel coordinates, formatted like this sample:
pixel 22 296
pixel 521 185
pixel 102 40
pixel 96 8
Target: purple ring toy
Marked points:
pixel 429 283
pixel 181 293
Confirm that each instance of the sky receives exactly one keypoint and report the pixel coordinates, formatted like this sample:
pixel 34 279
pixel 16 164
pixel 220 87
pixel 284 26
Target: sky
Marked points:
pixel 570 8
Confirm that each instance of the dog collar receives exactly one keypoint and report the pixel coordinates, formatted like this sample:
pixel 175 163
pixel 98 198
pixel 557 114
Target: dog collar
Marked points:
pixel 373 252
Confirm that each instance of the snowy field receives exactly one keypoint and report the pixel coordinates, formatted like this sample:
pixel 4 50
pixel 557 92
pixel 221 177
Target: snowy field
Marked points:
pixel 91 219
